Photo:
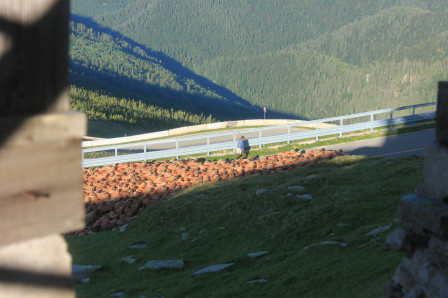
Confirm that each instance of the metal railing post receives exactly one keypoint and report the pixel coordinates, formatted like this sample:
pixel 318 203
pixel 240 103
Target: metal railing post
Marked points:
pixel 116 151
pixel 341 124
pixel 208 144
pixel 413 116
pixel 177 150
pixel 144 149
pixel 234 140
pixel 317 128
pixel 390 125
pixel 289 133
pixel 371 123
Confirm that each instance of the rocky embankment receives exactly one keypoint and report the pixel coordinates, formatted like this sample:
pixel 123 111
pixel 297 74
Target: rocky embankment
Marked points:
pixel 115 195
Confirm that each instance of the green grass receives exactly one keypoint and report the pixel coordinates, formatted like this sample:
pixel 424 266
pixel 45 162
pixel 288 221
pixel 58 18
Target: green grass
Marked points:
pixel 351 196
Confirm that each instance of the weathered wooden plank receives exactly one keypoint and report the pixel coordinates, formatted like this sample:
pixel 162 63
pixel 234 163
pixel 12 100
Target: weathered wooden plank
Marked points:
pixel 40 160
pixel 48 128
pixel 38 267
pixel 40 177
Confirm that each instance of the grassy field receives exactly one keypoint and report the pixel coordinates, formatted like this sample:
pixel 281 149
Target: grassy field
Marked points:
pixel 315 248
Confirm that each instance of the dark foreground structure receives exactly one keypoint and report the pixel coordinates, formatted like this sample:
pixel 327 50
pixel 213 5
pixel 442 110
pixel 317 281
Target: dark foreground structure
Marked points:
pixel 424 271
pixel 40 150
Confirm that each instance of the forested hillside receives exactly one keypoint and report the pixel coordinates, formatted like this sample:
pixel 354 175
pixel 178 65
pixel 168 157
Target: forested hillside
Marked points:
pixel 101 107
pixel 116 79
pixel 308 58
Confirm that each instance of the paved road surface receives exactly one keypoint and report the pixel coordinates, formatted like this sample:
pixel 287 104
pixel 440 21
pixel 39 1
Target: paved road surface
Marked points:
pixel 392 146
pixel 398 145
pixel 171 144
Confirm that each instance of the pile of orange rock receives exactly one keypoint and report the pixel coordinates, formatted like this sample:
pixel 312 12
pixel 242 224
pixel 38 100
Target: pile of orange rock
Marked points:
pixel 116 194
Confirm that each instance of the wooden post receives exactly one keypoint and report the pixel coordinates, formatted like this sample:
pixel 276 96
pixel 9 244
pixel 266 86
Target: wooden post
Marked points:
pixel 40 160
pixel 442 114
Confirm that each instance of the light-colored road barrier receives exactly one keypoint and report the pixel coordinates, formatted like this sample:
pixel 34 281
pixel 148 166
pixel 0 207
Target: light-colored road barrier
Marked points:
pixel 207 143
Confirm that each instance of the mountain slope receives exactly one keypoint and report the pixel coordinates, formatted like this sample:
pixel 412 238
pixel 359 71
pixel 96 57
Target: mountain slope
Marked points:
pixel 329 246
pixel 310 58
pixel 104 61
pixel 201 29
pixel 326 77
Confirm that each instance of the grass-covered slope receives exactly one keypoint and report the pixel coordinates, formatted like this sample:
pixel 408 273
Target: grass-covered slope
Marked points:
pixel 351 196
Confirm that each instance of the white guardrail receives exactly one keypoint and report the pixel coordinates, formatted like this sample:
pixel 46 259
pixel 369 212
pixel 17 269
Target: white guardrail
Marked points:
pixel 207 143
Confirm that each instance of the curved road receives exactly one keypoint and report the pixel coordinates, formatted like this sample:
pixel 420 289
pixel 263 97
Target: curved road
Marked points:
pixel 392 146
pixel 187 141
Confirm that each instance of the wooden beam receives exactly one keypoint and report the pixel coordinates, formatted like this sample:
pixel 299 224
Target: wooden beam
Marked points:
pixel 41 177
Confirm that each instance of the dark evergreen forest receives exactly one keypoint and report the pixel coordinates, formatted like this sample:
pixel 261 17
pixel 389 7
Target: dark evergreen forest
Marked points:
pixel 306 58
pixel 116 79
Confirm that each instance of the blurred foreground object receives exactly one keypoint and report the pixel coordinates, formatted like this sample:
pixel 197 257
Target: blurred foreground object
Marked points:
pixel 424 271
pixel 40 150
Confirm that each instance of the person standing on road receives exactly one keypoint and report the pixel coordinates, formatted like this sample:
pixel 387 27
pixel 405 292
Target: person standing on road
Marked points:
pixel 242 149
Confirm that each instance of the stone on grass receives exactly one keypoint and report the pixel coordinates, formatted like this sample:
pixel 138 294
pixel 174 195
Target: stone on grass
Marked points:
pixel 129 260
pixel 262 191
pixel 375 232
pixel 213 268
pixel 296 188
pixel 164 264
pixel 256 254
pixel 269 215
pixel 117 294
pixel 80 272
pixel 123 227
pixel 257 281
pixel 139 245
pixel 185 236
pixel 343 244
pixel 305 197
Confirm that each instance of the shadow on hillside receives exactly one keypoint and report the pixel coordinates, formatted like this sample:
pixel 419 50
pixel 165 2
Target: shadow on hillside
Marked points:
pixel 124 87
pixel 234 107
